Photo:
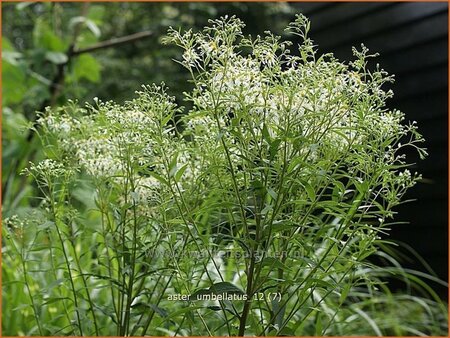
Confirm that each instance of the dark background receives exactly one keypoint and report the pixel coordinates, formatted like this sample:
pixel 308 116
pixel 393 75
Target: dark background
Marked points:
pixel 411 37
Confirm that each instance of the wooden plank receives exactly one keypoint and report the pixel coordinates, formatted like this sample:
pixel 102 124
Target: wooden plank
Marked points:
pixel 434 132
pixel 311 8
pixel 424 233
pixel 395 101
pixel 343 13
pixel 405 37
pixel 429 228
pixel 421 82
pixel 423 107
pixel 404 16
pixel 429 191
pixel 429 54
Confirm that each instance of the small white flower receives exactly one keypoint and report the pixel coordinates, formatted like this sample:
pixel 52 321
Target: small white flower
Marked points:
pixel 190 57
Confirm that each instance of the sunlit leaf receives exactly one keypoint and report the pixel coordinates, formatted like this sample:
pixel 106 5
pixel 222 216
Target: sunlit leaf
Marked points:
pixel 87 67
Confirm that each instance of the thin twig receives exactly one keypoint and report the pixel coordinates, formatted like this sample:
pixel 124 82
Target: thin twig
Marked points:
pixel 113 42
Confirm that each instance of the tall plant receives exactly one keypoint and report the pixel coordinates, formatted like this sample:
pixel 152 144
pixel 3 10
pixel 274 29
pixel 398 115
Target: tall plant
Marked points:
pixel 262 203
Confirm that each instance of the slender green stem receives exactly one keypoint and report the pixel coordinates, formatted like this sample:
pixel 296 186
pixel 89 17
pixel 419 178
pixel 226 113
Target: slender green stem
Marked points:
pixel 56 277
pixel 131 279
pixel 88 295
pixel 149 320
pixel 66 257
pixel 104 212
pixel 248 301
pixel 21 254
pixel 71 279
pixel 123 265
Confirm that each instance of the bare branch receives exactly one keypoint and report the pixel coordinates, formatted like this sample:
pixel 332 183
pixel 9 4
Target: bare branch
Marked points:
pixel 113 42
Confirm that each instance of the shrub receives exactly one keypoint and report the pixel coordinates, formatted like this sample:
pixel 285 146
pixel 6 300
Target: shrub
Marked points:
pixel 262 203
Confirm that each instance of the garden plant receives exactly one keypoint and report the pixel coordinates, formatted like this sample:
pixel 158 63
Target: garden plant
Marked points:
pixel 261 209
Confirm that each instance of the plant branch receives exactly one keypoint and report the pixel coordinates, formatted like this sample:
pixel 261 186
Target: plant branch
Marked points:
pixel 113 42
pixel 58 80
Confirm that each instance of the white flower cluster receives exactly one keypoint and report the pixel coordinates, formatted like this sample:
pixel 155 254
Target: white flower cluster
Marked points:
pixel 99 156
pixel 116 143
pixel 406 180
pixel 389 123
pixel 251 94
pixel 47 169
pixel 60 124
pixel 324 100
pixel 256 107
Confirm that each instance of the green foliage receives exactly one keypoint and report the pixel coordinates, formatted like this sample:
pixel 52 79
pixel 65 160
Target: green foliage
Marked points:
pixel 14 84
pixel 45 39
pixel 47 49
pixel 34 35
pixel 254 211
pixel 87 67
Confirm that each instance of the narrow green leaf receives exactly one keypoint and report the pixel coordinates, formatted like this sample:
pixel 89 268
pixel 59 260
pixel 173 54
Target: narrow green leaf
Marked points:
pixel 273 263
pixel 173 165
pixel 167 118
pixel 274 147
pixel 361 186
pixel 309 190
pixel 344 292
pixel 226 287
pixel 319 326
pixel 158 177
pixel 215 308
pixel 266 134
pixel 272 193
pixel 180 171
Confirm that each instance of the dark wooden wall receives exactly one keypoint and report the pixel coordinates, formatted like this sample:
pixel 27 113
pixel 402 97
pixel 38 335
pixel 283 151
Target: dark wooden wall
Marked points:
pixel 412 39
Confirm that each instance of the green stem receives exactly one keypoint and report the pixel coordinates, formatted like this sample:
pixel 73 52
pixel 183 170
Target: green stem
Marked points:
pixel 122 264
pixel 30 295
pixel 56 277
pixel 110 272
pixel 249 292
pixel 91 304
pixel 132 273
pixel 66 258
pixel 72 285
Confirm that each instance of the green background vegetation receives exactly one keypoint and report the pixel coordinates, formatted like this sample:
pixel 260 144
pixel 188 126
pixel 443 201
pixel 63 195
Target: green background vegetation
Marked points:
pixel 37 43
